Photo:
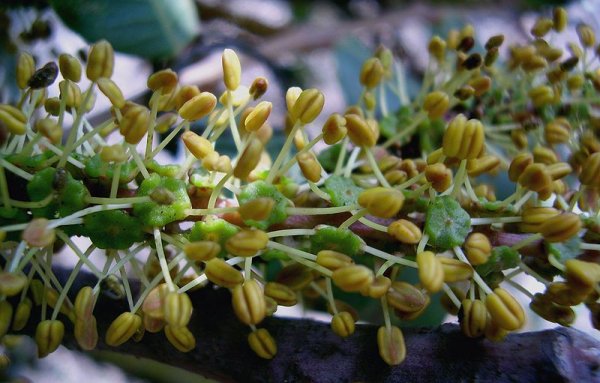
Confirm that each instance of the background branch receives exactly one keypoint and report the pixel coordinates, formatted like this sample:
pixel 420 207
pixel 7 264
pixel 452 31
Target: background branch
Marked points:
pixel 309 351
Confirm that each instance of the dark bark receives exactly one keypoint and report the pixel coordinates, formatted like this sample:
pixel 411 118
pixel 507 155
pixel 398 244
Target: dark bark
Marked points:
pixel 308 351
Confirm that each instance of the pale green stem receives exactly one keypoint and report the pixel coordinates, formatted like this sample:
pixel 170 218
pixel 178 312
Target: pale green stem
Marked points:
pixel 422 243
pixel 319 192
pixel 575 198
pixel 17 255
pixel 341 156
pixel 351 161
pixel 451 295
pixel 152 125
pixel 138 161
pixel 294 159
pixel 30 145
pixel 470 191
pixel 216 210
pixel 460 255
pixel 375 168
pixel 93 132
pixel 300 256
pixel 232 125
pixel 4 189
pixel 459 180
pixel 410 182
pixel 526 241
pixel 170 137
pixel 217 190
pixel 290 232
pixel 15 170
pixel 155 281
pixel 86 211
pixel 319 210
pixel 124 200
pixel 67 286
pixel 248 268
pixel 383 100
pixel 533 274
pixel 492 220
pixel 69 146
pixel 125 279
pixel 79 254
pixel 520 288
pixel 202 278
pixel 386 314
pixel 389 257
pixel 104 273
pixel 353 218
pixel 60 152
pixel 283 153
pixel 554 262
pixel 407 131
pixel 589 246
pixel 26 259
pixel 163 260
pixel 114 187
pixel 521 202
pixel 373 225
pixel 330 297
pixel 383 268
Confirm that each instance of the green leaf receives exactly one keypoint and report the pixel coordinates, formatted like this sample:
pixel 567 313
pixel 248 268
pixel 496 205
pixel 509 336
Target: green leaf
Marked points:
pixel 113 229
pixel 502 258
pixel 216 230
pixel 343 191
pixel 104 171
pixel 388 125
pixel 446 223
pixel 328 157
pixel 152 29
pixel 70 197
pixel 566 250
pixel 333 238
pixel 259 189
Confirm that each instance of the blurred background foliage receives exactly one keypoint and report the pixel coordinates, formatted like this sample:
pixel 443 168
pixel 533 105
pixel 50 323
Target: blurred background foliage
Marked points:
pixel 291 42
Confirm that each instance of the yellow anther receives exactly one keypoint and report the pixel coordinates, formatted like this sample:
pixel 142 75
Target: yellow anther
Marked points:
pixel 48 336
pixel 101 60
pixel 111 91
pixel 198 106
pixel 232 69
pixel 382 202
pixel 248 302
pixel 405 231
pixel 390 342
pixel 431 271
pixel 505 310
pixel 69 67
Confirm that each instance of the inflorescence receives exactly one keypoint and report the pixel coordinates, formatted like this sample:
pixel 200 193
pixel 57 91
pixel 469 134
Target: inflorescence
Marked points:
pixel 351 219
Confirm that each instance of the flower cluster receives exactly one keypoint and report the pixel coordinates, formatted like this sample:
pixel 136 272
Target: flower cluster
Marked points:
pixel 349 219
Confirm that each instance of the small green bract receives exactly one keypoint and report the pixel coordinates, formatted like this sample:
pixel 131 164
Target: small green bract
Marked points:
pixel 570 249
pixel 215 230
pixel 446 223
pixel 333 238
pixel 343 191
pixel 157 215
pixel 502 258
pixel 259 189
pixel 113 229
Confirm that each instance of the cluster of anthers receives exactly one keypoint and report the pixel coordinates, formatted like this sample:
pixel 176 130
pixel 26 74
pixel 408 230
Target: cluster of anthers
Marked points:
pixel 348 218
